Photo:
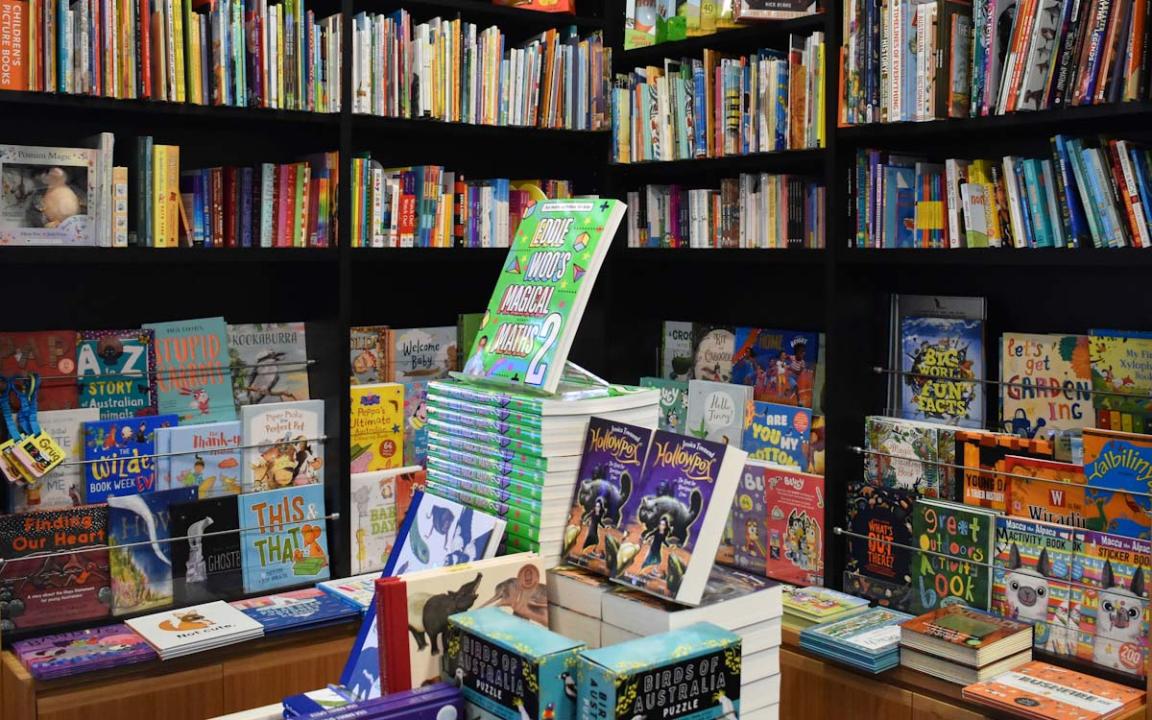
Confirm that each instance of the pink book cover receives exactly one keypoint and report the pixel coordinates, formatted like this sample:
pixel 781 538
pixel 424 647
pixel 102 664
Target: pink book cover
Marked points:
pixel 794 502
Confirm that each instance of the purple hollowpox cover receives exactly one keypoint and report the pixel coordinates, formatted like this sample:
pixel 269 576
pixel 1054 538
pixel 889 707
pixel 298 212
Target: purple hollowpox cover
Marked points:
pixel 70 653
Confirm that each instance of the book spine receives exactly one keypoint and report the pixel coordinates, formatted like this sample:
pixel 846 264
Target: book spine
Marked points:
pixel 120 206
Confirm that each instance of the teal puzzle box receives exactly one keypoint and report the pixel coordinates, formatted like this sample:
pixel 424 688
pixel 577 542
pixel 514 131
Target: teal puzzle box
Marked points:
pixel 688 674
pixel 510 668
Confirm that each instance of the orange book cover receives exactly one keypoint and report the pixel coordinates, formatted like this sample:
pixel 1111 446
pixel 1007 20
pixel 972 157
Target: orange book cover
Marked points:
pixel 1041 690
pixel 965 626
pixel 1058 494
pixel 982 454
pixel 13 44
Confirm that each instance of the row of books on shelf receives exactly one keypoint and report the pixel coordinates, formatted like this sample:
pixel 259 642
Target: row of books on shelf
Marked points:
pixel 751 211
pixel 651 22
pixel 220 53
pixel 915 61
pixel 721 106
pixel 429 206
pixel 1085 191
pixel 455 71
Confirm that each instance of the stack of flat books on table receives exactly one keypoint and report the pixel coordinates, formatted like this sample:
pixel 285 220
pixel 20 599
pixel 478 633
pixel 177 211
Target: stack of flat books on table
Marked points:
pixel 963 645
pixel 70 653
pixel 296 610
pixel 804 607
pixel 1046 692
pixel 176 633
pixel 357 590
pixel 869 641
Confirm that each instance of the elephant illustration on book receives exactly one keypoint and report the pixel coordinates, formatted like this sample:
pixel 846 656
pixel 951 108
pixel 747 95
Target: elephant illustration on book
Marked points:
pixel 428 614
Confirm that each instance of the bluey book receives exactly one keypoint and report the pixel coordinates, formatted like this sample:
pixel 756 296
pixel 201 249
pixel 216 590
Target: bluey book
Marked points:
pixel 712 348
pixel 415 423
pixel 120 455
pixel 284 537
pixel 115 370
pixel 193 379
pixel 377 422
pixel 65 486
pixel 438 532
pixel 879 562
pixel 697 666
pixel 269 362
pixel 1121 461
pixel 912 455
pixel 1030 581
pixel 675 516
pixel 963 538
pixel 676 351
pixel 511 668
pixel 1113 574
pixel 779 365
pixel 419 354
pixel 942 369
pixel 375 519
pixel 1121 379
pixel 794 523
pixel 610 467
pixel 777 434
pixel 295 609
pixel 367 362
pixel 716 411
pixel 283 445
pixel 673 402
pixel 205 457
pixel 50 195
pixel 142 572
pixel 1046 384
pixel 207 559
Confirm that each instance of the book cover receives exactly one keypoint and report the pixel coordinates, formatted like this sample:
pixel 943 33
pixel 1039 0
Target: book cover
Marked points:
pixel 794 523
pixel 375 516
pixel 69 583
pixel 206 564
pixel 367 363
pixel 1055 492
pixel 283 445
pixel 439 532
pixel 1047 384
pixel 673 402
pixel 193 380
pixel 1122 461
pixel 420 354
pixel 415 423
pixel 269 362
pixel 817 602
pixel 960 574
pixel 541 293
pixel 142 572
pixel 712 349
pixel 872 632
pixel 937 356
pixel 745 541
pixel 962 625
pixel 779 365
pixel 909 454
pixel 63 487
pixel 1113 574
pixel 49 196
pixel 676 351
pixel 122 454
pixel 357 592
pixel 1121 378
pixel 982 455
pixel 284 537
pixel 777 434
pixel 376 426
pixel 716 411
pixel 51 354
pixel 295 609
pixel 193 628
pixel 880 520
pixel 116 372
pixel 1030 581
pixel 71 653
pixel 206 457
pixel 1048 691
pixel 610 468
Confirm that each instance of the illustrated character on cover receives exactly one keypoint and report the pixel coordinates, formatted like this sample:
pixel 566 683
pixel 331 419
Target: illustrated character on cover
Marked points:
pixel 657 538
pixel 428 615
pixel 524 595
pixel 200 400
pixel 1026 590
pixel 679 518
pixel 594 519
pixel 263 378
pixel 196 571
pixel 132 593
pixel 185 620
pixel 475 364
pixel 463 547
pixel 1120 621
pixel 442 519
pixel 753 545
pixel 307 468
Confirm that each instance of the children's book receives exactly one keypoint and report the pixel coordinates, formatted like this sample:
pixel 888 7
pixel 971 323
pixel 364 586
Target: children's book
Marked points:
pixel 193 379
pixel 367 363
pixel 673 402
pixel 912 455
pixel 1121 364
pixel 175 633
pixel 982 455
pixel 942 366
pixel 1119 460
pixel 1030 582
pixel 50 196
pixel 794 523
pixel 63 487
pixel 467 328
pixel 879 562
pixel 269 362
pixel 142 572
pixel 777 434
pixel 438 532
pixel 71 653
pixel 68 579
pixel 295 609
pixel 817 604
pixel 954 568
pixel 542 291
pixel 712 348
pixel 206 563
pixel 415 423
pixel 116 372
pixel 779 365
pixel 1056 492
pixel 419 354
pixel 284 537
pixel 1113 573
pixel 1054 693
pixel 357 592
pixel 675 516
pixel 716 411
pixel 1046 384
pixel 375 519
pixel 377 426
pixel 610 468
pixel 676 351
pixel 51 354
pixel 283 445
pixel 120 455
pixel 206 457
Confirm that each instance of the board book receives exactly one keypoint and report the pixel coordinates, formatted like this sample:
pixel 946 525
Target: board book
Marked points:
pixel 673 402
pixel 1121 364
pixel 367 362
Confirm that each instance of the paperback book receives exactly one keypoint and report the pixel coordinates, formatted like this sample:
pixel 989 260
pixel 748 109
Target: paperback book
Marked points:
pixel 376 426
pixel 142 571
pixel 120 456
pixel 116 372
pixel 284 537
pixel 367 363
pixel 957 541
pixel 716 411
pixel 1113 573
pixel 193 380
pixel 1031 580
pixel 942 364
pixel 777 434
pixel 779 365
pixel 65 486
pixel 269 362
pixel 794 522
pixel 176 633
pixel 72 653
pixel 438 532
pixel 869 641
pixel 206 457
pixel 1047 384
pixel 283 445
pixel 415 423
pixel 379 503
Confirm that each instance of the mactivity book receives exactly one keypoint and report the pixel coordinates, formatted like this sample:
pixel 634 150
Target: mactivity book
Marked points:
pixel 283 445
pixel 1031 574
pixel 63 487
pixel 376 515
pixel 193 380
pixel 122 454
pixel 793 524
pixel 962 536
pixel 673 402
pixel 1046 384
pixel 543 288
pixel 779 365
pixel 778 434
pixel 675 517
pixel 438 532
pixel 269 362
pixel 284 537
pixel 206 563
pixel 942 366
pixel 142 571
pixel 115 370
pixel 377 426
pixel 51 354
pixel 1121 379
pixel 716 411
pixel 206 457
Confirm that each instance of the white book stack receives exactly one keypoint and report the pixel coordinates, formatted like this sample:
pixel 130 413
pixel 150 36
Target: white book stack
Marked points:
pixel 175 633
pixel 575 599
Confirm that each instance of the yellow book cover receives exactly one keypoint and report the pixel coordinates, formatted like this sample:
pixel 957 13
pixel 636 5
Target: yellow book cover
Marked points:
pixel 178 46
pixel 166 195
pixel 159 207
pixel 377 427
pixel 820 81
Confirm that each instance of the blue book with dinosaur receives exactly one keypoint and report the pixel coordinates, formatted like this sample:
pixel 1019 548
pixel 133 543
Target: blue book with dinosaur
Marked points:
pixel 438 532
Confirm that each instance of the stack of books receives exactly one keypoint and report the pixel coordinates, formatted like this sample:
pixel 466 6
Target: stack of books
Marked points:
pixel 869 641
pixel 575 603
pixel 296 610
pixel 435 700
pixel 176 633
pixel 804 607
pixel 64 654
pixel 963 645
pixel 1046 692
pixel 357 591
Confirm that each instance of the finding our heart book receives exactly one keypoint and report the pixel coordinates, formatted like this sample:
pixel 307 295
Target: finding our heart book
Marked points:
pixel 284 538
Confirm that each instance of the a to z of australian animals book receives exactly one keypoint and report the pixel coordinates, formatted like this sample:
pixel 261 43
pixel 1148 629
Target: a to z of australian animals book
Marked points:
pixel 206 457
pixel 51 354
pixel 69 583
pixel 942 361
pixel 610 467
pixel 283 445
pixel 1121 379
pixel 1047 384
pixel 377 426
pixel 716 411
pixel 779 365
pixel 1113 572
pixel 284 537
pixel 115 370
pixel 879 563
pixel 193 374
pixel 120 455
pixel 794 524
pixel 269 362
pixel 673 402
pixel 960 574
pixel 206 560
pixel 778 434
pixel 142 571
pixel 1030 581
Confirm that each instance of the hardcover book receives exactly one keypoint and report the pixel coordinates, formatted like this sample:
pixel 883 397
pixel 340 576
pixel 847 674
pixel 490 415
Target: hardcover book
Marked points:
pixel 673 402
pixel 284 537
pixel 63 487
pixel 1121 379
pixel 367 363
pixel 963 536
pixel 206 564
pixel 712 348
pixel 911 455
pixel 779 365
pixel 1056 492
pixel 116 372
pixel 871 633
pixel 283 445
pixel 777 434
pixel 438 532
pixel 71 653
pixel 377 426
pixel 1054 693
pixel 295 609
pixel 269 362
pixel 794 524
pixel 1120 460
pixel 49 196
pixel 676 351
pixel 193 380
pixel 375 513
pixel 120 455
pixel 51 354
pixel 1113 572
pixel 1047 384
pixel 175 633
pixel 942 361
pixel 142 571
pixel 880 520
pixel 983 456
pixel 357 591
pixel 541 293
pixel 419 354
pixel 820 604
pixel 206 457
pixel 716 411
pixel 1030 581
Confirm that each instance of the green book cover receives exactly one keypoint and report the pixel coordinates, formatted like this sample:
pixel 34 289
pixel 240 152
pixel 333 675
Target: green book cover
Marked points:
pixel 488 484
pixel 507 428
pixel 484 468
pixel 673 402
pixel 535 310
pixel 483 413
pixel 963 533
pixel 447 428
pixel 506 511
pixel 492 450
pixel 500 495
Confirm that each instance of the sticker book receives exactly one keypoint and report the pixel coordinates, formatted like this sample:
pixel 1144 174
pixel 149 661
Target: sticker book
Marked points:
pixel 1114 571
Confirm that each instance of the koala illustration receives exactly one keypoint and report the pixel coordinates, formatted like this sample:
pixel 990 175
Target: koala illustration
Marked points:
pixel 1119 621
pixel 1026 589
